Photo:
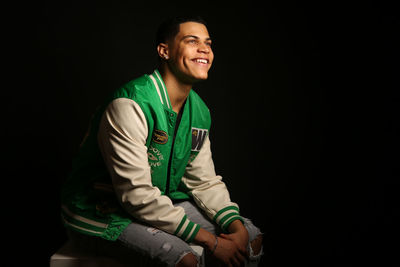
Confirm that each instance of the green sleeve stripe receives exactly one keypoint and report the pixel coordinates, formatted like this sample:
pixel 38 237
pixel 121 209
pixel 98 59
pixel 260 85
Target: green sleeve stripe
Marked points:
pixel 194 233
pixel 226 217
pixel 225 226
pixel 180 225
pixel 188 230
pixel 225 209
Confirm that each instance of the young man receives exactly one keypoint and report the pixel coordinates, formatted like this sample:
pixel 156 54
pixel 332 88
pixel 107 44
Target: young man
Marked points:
pixel 146 163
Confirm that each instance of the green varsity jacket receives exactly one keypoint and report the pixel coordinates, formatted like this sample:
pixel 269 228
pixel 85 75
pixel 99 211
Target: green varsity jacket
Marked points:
pixel 134 162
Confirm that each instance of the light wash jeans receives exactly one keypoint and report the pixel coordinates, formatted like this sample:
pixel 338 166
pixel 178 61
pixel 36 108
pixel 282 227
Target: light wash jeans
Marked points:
pixel 143 245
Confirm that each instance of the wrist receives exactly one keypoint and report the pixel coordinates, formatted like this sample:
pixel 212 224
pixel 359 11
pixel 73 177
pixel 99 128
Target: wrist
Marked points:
pixel 205 239
pixel 215 245
pixel 236 226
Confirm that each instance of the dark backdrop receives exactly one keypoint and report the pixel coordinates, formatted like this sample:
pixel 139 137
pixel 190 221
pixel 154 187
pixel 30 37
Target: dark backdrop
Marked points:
pixel 304 116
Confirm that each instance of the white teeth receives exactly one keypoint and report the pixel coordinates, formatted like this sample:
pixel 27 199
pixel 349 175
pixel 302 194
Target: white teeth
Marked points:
pixel 204 61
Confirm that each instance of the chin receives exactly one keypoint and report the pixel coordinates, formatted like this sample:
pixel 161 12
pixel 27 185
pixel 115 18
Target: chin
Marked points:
pixel 201 76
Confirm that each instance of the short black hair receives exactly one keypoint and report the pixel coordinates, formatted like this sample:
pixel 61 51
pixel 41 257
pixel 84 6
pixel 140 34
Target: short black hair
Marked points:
pixel 170 27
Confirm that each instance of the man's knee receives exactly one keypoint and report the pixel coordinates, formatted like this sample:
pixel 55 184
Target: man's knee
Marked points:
pixel 189 260
pixel 256 244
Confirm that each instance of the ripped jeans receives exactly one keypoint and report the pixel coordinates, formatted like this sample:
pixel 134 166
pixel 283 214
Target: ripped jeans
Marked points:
pixel 147 246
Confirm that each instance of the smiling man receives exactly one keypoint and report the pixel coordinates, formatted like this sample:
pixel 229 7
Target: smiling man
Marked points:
pixel 144 176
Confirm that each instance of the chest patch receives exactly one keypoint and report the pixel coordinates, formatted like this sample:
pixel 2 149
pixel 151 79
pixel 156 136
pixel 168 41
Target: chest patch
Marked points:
pixel 160 137
pixel 198 137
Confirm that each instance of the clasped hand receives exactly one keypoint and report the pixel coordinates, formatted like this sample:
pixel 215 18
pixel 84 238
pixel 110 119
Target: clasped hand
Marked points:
pixel 231 249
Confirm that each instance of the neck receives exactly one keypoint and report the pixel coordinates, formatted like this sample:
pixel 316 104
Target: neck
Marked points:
pixel 177 90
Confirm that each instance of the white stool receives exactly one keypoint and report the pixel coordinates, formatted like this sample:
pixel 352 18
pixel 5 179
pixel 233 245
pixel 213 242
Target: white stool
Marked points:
pixel 68 256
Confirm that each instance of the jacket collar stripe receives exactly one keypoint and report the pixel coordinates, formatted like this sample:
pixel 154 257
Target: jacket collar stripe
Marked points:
pixel 156 85
pixel 163 87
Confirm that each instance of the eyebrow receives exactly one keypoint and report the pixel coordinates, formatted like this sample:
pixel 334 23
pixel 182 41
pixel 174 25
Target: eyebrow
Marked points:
pixel 195 37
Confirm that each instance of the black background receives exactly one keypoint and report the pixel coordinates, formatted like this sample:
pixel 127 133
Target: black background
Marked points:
pixel 305 129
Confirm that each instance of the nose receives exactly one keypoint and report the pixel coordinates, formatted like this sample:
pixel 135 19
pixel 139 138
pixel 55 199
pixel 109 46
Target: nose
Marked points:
pixel 204 48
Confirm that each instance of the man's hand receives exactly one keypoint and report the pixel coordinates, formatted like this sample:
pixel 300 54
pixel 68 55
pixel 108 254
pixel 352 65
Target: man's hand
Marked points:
pixel 238 234
pixel 230 249
pixel 229 253
pixel 233 248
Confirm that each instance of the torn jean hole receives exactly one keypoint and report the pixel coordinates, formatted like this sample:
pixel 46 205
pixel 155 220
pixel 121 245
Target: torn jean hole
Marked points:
pixel 255 258
pixel 187 252
pixel 166 247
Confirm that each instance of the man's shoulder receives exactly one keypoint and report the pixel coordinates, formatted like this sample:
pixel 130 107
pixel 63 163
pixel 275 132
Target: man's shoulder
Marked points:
pixel 138 89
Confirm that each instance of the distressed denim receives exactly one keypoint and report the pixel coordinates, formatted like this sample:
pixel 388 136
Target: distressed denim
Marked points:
pixel 144 245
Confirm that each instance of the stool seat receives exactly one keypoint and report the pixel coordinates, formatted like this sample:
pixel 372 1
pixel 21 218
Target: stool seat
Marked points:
pixel 68 256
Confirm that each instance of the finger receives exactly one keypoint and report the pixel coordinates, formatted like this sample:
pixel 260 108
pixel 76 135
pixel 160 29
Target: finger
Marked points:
pixel 235 262
pixel 240 257
pixel 244 252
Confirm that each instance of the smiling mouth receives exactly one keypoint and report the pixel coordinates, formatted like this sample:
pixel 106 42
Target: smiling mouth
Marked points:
pixel 201 60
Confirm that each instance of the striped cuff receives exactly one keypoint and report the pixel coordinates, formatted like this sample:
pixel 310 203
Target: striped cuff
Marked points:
pixel 225 216
pixel 82 224
pixel 187 230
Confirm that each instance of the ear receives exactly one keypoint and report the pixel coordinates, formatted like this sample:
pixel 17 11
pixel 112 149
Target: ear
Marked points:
pixel 163 51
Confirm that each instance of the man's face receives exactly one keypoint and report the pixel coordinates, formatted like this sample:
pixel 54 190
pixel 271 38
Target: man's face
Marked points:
pixel 190 52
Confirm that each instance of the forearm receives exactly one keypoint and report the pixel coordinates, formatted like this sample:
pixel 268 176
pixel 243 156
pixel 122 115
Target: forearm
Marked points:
pixel 205 239
pixel 236 227
pixel 208 190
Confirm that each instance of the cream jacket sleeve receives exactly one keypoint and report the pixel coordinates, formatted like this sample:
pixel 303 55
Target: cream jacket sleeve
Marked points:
pixel 122 141
pixel 208 190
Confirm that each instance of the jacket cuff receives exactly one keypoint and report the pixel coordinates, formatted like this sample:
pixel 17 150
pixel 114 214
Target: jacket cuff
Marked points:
pixel 187 229
pixel 226 216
